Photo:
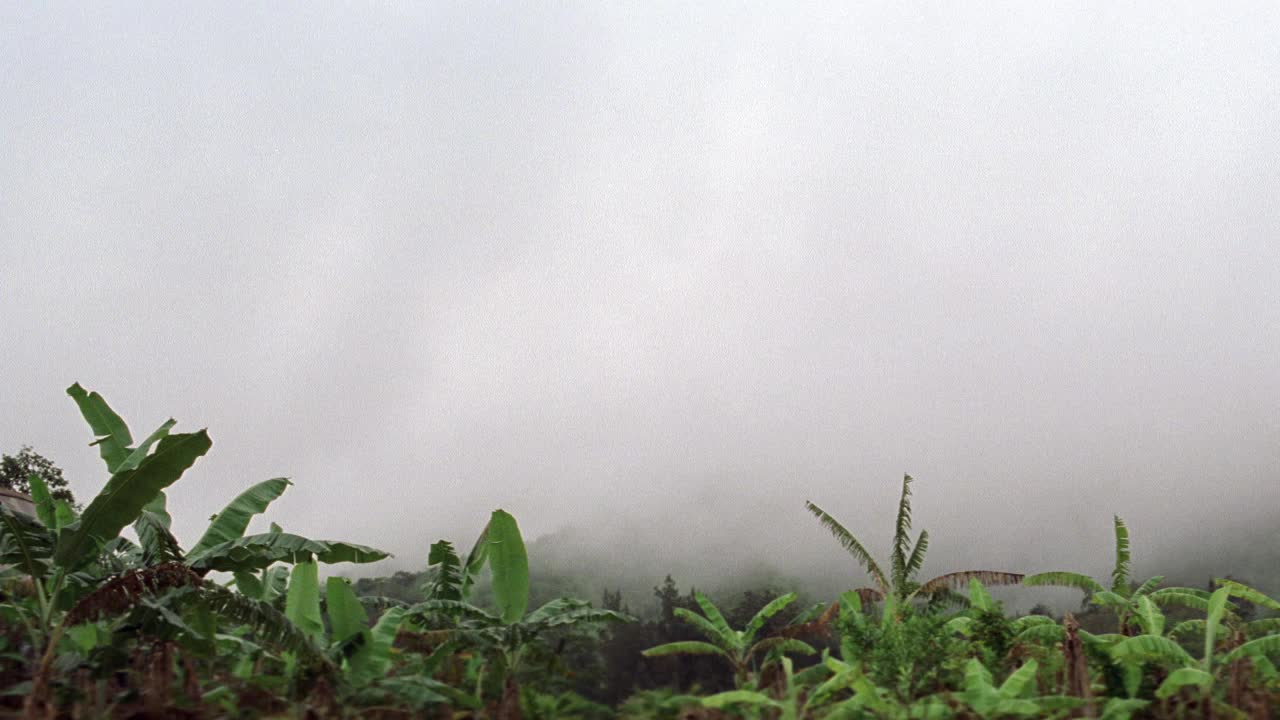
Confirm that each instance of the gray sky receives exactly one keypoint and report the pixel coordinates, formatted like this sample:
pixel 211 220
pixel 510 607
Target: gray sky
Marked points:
pixel 660 268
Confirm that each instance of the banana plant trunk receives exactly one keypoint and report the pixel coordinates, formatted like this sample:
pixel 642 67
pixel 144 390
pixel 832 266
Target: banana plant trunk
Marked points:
pixel 1077 665
pixel 509 705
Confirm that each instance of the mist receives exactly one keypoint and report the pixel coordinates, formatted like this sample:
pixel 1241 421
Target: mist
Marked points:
pixel 654 276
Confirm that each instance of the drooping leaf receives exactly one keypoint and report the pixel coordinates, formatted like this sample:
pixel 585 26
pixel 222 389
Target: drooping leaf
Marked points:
pixel 255 552
pixel 302 603
pixel 1064 579
pixel 779 644
pixel 1183 677
pixel 509 564
pixel 1050 634
pixel 1244 592
pixel 722 700
pixel 231 523
pixel 1263 647
pixel 126 493
pixel 346 615
pixel 1150 648
pixel 110 431
pixel 686 647
pixel 960 579
pixel 852 545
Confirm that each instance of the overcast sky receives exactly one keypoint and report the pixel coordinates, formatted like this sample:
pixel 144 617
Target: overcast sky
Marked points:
pixel 659 266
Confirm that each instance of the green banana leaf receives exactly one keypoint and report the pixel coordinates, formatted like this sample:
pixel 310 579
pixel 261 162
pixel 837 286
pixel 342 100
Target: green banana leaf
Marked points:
pixel 113 438
pixel 126 494
pixel 255 552
pixel 302 603
pixel 509 564
pixel 231 523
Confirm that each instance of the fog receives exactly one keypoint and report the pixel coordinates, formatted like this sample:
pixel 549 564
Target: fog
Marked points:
pixel 654 276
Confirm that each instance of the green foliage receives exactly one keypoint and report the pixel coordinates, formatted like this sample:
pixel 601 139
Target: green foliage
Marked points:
pixel 230 524
pixel 16 472
pixel 906 559
pixel 93 624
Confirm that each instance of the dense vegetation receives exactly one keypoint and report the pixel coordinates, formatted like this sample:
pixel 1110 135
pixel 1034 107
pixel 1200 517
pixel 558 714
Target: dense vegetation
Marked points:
pixel 95 624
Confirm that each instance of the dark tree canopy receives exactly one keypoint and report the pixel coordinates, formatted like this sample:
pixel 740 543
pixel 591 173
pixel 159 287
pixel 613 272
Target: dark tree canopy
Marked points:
pixel 15 469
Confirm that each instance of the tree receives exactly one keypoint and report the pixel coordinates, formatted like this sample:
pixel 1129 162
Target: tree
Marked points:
pixel 15 469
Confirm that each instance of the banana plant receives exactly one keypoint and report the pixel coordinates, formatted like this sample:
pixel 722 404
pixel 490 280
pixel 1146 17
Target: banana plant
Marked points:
pixel 739 648
pixel 906 559
pixel 1188 673
pixel 1123 597
pixel 506 636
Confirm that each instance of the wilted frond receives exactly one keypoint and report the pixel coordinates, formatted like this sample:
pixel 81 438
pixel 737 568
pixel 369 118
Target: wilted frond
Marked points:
pixel 123 592
pixel 158 544
pixel 851 544
pixel 1064 579
pixel 868 595
pixel 902 536
pixel 960 579
pixel 1120 574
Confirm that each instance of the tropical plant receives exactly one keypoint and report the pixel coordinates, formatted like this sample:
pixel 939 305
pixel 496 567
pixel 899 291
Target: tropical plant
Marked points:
pixel 1123 597
pixel 906 559
pixel 746 655
pixel 505 637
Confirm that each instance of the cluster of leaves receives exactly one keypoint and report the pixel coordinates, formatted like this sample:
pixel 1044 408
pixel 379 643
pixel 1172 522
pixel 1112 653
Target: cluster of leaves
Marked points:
pixel 94 623
pixel 98 624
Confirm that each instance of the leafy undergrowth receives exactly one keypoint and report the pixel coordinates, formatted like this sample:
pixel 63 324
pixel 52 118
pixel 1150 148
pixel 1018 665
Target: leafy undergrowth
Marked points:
pixel 93 624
